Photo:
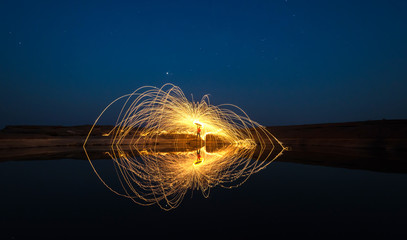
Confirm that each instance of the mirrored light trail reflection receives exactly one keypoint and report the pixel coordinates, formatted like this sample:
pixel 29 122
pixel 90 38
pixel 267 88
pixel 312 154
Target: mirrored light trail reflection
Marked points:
pixel 163 146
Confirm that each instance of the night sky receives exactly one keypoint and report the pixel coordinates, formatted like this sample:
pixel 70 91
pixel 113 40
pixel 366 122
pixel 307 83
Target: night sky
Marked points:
pixel 283 61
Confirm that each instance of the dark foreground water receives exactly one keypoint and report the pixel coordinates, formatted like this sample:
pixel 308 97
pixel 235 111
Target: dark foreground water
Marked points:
pixel 64 199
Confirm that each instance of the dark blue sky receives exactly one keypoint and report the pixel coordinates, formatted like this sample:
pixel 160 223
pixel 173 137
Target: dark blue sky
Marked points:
pixel 283 62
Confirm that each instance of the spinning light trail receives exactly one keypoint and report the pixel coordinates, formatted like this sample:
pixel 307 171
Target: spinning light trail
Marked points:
pixel 209 146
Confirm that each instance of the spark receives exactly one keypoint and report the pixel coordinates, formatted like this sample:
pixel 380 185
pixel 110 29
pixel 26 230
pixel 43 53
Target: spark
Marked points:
pixel 210 146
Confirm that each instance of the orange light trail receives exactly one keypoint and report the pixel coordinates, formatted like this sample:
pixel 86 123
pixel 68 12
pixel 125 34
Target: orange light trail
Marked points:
pixel 152 117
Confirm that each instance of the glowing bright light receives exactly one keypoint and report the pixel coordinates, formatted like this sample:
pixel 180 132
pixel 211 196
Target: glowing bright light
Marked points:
pixel 152 117
pixel 198 123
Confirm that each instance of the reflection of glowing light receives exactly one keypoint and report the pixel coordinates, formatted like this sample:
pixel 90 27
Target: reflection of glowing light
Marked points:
pixel 198 161
pixel 153 116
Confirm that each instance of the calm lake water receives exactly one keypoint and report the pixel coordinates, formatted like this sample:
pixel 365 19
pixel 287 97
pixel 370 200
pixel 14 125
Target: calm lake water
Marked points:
pixel 64 198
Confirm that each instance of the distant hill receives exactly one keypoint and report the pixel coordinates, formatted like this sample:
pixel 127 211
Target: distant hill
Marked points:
pixel 351 130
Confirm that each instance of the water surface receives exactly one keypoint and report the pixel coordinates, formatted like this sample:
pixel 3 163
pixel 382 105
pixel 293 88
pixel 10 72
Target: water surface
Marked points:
pixel 56 198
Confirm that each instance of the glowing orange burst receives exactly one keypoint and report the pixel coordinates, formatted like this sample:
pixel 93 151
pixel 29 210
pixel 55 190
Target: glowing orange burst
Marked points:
pixel 156 119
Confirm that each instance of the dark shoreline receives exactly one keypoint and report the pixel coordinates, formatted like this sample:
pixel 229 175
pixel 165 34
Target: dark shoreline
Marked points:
pixel 371 145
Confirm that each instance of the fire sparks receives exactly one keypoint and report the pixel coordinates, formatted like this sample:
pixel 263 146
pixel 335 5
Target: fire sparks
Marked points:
pixel 210 146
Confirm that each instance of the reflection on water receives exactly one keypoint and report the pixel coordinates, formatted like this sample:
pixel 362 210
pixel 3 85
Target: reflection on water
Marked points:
pixel 362 159
pixel 163 177
pixel 61 197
